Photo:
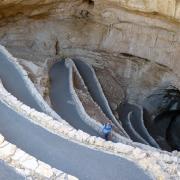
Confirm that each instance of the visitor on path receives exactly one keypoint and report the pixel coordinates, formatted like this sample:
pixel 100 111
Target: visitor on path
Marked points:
pixel 107 128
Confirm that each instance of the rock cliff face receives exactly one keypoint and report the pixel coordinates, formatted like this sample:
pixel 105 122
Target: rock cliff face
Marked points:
pixel 135 43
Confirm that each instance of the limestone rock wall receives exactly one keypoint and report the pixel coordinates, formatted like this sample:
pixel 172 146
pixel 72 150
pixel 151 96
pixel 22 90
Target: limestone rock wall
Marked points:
pixel 170 8
pixel 100 25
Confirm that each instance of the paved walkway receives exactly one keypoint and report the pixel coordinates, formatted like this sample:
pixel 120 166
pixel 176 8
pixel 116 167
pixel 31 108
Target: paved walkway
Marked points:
pixel 62 99
pixel 82 162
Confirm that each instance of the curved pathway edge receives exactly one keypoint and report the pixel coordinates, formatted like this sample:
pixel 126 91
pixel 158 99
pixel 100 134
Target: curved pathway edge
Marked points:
pixel 127 151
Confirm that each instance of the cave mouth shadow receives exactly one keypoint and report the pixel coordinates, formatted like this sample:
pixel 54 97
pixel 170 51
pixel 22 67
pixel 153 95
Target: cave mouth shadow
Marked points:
pixel 158 124
pixel 162 117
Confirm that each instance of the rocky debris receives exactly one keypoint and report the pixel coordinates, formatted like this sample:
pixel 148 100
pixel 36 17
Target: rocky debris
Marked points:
pixel 163 7
pixel 1 139
pixel 108 28
pixel 39 76
pixel 91 107
pixel 40 9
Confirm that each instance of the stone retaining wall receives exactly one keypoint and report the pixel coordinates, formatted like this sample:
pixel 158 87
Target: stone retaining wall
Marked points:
pixel 27 165
pixel 160 164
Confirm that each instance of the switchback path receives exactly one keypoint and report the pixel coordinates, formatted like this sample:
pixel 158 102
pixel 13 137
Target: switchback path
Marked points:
pixel 80 161
pixel 62 98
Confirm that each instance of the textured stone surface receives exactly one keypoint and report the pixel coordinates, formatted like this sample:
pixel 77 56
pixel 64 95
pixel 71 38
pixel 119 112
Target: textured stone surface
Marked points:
pixel 1 139
pixel 112 28
pixel 98 32
pixel 7 151
pixel 44 169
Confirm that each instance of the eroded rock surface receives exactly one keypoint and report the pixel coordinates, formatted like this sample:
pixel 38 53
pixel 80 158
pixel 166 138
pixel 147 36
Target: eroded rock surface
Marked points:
pixel 97 31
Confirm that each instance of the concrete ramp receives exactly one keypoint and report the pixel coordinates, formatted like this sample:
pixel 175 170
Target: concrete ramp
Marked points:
pixel 63 100
pixel 72 158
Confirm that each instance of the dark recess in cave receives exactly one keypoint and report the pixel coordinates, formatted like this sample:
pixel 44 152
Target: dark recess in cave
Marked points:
pixel 90 2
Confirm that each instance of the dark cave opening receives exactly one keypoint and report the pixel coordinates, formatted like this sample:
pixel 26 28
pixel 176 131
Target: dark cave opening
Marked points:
pixel 157 119
pixel 90 2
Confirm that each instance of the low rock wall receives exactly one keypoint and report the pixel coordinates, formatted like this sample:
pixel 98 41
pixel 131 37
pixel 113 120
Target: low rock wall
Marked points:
pixel 28 166
pixel 160 164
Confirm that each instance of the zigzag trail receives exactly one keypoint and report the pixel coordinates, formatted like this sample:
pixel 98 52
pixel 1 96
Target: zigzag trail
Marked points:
pixel 43 136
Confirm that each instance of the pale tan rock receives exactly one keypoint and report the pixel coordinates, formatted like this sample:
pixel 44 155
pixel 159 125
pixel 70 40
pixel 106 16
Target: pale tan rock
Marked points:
pixel 79 137
pixel 56 125
pixel 156 154
pixel 99 142
pixel 72 133
pixel 139 4
pixel 4 144
pixel 18 155
pixel 27 172
pixel 153 35
pixel 57 172
pixel 177 13
pixel 122 148
pixel 1 139
pixel 144 163
pixel 166 158
pixel 25 109
pixel 109 145
pixel 85 136
pixel 44 169
pixel 7 151
pixel 178 173
pixel 138 153
pixel 30 163
pixel 24 157
pixel 92 140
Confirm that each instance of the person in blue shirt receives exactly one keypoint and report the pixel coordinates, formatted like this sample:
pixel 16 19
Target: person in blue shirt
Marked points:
pixel 107 128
